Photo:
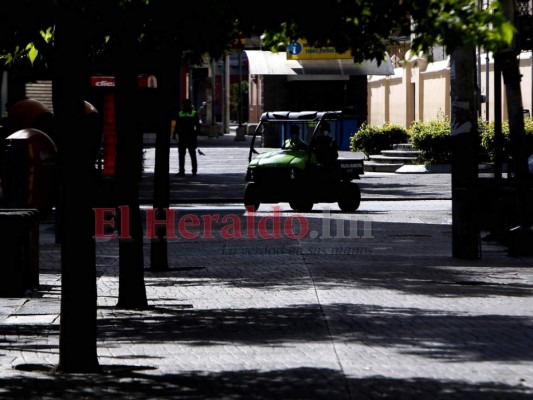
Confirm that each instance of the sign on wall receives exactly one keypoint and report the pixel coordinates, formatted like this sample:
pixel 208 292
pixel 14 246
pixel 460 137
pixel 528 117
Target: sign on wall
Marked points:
pixel 300 50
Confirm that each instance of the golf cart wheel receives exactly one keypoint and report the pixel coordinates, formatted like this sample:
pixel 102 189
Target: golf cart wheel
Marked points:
pixel 350 197
pixel 251 196
pixel 301 205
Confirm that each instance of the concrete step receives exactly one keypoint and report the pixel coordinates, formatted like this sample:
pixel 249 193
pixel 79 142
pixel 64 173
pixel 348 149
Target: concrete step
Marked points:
pixel 402 146
pixel 372 166
pixel 392 160
pixel 378 158
pixel 400 153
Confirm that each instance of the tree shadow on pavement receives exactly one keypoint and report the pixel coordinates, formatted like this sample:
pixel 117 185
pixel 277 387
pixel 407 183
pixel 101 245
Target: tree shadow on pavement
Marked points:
pixel 442 335
pixel 297 383
pixel 399 191
pixel 405 186
pixel 404 257
pixel 452 337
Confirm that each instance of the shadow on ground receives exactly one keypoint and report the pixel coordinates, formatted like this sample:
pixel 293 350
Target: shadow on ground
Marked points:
pixel 122 382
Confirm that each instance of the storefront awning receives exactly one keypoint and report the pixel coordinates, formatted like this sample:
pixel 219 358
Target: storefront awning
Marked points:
pixel 268 63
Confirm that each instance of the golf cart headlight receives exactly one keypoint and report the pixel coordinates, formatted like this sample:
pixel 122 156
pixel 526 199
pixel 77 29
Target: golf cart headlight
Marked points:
pixel 293 173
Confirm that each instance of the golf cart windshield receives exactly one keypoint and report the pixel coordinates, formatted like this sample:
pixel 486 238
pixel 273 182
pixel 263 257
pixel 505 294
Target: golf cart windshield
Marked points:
pixel 279 124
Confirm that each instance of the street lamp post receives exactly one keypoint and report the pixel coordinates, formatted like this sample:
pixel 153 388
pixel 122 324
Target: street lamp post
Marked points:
pixel 241 129
pixel 239 111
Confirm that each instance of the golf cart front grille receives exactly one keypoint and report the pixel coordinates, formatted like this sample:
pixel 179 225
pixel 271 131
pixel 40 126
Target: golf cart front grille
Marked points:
pixel 269 175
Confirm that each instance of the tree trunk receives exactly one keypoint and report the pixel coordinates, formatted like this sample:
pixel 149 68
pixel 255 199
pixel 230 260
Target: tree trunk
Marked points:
pixel 517 136
pixel 132 291
pixel 166 84
pixel 520 236
pixel 77 335
pixel 465 218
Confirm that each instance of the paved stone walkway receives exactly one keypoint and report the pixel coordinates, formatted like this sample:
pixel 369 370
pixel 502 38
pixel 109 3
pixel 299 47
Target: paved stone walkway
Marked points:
pixel 368 305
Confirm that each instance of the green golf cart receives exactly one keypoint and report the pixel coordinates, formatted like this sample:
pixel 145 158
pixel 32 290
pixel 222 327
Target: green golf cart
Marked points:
pixel 302 166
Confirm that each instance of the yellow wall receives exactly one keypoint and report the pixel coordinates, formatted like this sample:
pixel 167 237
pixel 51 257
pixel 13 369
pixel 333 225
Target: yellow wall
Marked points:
pixel 433 106
pixel 420 92
pixel 398 109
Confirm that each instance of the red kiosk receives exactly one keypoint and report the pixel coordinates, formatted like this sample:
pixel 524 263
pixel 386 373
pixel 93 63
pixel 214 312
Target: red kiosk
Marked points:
pixel 109 142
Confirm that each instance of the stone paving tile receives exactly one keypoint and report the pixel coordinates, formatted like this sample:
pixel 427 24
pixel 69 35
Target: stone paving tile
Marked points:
pixel 368 305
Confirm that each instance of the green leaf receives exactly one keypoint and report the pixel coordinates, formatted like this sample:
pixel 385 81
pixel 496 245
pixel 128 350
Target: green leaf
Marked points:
pixel 47 36
pixel 32 52
pixel 507 30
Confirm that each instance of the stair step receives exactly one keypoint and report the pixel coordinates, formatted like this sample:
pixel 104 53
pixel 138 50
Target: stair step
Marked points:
pixel 402 146
pixel 371 166
pixel 393 160
pixel 401 153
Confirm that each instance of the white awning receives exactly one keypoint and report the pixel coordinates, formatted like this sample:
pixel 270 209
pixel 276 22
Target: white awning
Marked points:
pixel 268 63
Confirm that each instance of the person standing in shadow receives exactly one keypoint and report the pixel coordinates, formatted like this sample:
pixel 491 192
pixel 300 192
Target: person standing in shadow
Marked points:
pixel 187 129
pixel 325 148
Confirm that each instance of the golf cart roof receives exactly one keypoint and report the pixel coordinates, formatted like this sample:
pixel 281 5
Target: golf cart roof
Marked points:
pixel 281 116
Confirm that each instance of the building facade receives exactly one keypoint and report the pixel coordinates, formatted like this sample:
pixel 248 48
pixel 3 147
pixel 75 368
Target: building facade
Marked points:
pixel 420 91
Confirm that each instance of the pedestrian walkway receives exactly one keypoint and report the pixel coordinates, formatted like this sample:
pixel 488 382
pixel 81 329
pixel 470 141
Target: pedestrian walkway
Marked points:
pixel 368 305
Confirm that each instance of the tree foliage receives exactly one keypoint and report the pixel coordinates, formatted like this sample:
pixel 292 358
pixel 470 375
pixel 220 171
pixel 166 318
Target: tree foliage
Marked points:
pixel 460 22
pixel 366 27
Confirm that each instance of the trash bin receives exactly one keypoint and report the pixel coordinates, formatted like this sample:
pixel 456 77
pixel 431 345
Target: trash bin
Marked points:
pixel 30 113
pixel 29 170
pixel 350 126
pixel 19 249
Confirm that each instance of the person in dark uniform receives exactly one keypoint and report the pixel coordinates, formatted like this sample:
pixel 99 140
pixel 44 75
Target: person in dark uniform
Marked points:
pixel 325 147
pixel 187 128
